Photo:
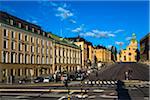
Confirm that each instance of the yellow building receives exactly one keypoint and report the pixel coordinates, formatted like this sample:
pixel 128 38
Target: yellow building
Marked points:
pixel 28 51
pixel 102 54
pixel 130 53
pixel 87 51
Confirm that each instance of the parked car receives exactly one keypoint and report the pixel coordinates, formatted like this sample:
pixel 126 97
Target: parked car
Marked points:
pixel 72 77
pixel 48 79
pixel 79 77
pixel 38 79
pixel 22 81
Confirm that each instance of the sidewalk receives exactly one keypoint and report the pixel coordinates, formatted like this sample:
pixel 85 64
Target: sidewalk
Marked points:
pixel 30 84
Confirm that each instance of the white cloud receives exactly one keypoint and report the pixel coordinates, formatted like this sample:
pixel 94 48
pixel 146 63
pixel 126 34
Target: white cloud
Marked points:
pixel 78 29
pixel 98 34
pixel 119 43
pixel 64 13
pixel 87 34
pixel 118 31
pixel 128 38
pixel 111 35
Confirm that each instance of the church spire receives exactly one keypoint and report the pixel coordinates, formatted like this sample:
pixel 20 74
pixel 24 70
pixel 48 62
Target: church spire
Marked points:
pixel 133 37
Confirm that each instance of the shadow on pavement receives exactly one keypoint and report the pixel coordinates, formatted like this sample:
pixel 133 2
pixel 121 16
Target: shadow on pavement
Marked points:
pixel 122 92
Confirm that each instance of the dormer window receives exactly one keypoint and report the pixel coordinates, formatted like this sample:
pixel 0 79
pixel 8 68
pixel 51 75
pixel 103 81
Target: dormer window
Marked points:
pixel 11 22
pixel 27 27
pixel 32 29
pixel 38 31
pixel 43 33
pixel 19 24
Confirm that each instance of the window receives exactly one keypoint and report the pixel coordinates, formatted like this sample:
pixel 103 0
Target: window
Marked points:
pixel 43 33
pixel 27 27
pixel 13 57
pixel 31 39
pixel 32 48
pixel 19 46
pixel 25 47
pixel 47 43
pixel 38 41
pixel 38 59
pixel 43 42
pixel 11 22
pixel 5 44
pixel 38 31
pixel 129 54
pixel 19 58
pixel 12 34
pixel 4 57
pixel 42 60
pixel 32 59
pixel 47 60
pixel 19 24
pixel 26 38
pixel 18 72
pixel 5 32
pixel 12 45
pixel 26 56
pixel 42 50
pixel 32 29
pixel 124 57
pixel 47 51
pixel 20 36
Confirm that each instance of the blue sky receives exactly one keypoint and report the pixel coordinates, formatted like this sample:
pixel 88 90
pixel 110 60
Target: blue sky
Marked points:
pixel 100 22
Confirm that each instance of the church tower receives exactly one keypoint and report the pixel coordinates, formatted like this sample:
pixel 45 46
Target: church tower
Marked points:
pixel 130 53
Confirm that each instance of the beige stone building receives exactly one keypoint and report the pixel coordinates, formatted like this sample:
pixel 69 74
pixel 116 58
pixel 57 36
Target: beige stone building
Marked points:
pixel 28 51
pixel 130 53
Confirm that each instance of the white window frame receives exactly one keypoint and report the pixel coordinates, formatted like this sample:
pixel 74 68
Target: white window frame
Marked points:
pixel 27 27
pixel 6 57
pixel 14 58
pixel 32 29
pixel 32 59
pixel 11 22
pixel 43 42
pixel 47 43
pixel 19 24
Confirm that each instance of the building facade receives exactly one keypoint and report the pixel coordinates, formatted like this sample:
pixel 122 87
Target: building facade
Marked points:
pixel 102 54
pixel 129 54
pixel 87 51
pixel 28 51
pixel 145 48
